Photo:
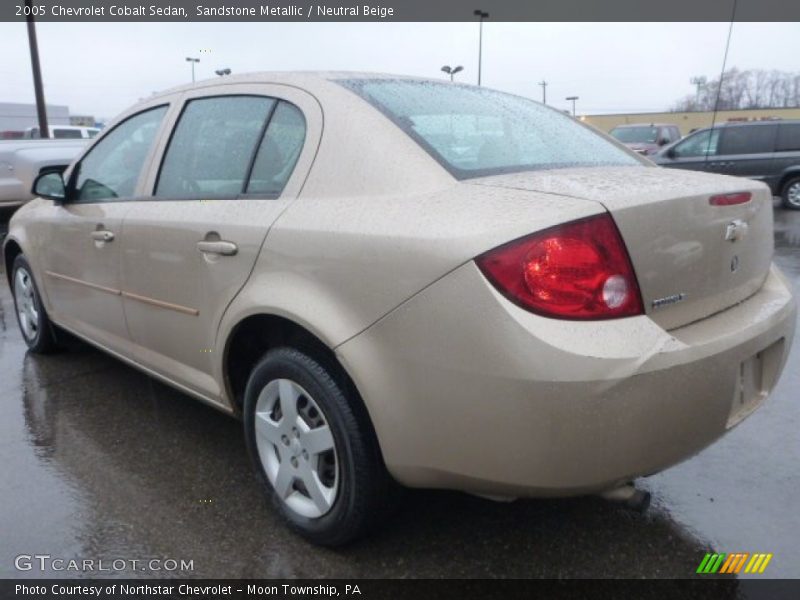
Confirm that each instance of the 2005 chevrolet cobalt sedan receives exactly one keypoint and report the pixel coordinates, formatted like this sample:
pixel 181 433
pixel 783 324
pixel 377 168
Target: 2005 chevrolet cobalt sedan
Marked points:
pixel 402 280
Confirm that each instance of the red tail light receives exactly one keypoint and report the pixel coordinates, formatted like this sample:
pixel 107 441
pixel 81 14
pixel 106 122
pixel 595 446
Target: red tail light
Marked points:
pixel 579 270
pixel 730 199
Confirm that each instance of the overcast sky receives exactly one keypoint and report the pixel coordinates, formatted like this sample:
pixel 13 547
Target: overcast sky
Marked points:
pixel 101 68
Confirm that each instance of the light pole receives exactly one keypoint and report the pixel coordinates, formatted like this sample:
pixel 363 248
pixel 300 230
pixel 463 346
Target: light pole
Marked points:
pixel 193 61
pixel 699 82
pixel 452 70
pixel 222 72
pixel 573 98
pixel 481 15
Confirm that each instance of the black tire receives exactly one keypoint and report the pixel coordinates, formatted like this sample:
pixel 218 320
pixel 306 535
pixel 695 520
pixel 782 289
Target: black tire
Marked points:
pixel 41 339
pixel 794 202
pixel 363 488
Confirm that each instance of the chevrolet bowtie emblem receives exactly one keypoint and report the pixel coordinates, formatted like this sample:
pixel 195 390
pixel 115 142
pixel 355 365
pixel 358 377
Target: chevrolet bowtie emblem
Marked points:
pixel 735 230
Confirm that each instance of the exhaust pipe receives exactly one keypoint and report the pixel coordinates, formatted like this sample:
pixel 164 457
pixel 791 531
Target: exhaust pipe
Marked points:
pixel 628 496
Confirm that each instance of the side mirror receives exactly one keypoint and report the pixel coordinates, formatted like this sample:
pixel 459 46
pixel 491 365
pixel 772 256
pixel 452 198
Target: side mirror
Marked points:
pixel 663 142
pixel 671 152
pixel 50 185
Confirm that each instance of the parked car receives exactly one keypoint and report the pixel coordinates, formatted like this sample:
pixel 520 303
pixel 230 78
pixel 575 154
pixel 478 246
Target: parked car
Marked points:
pixel 646 139
pixel 767 151
pixel 22 160
pixel 59 132
pixel 523 310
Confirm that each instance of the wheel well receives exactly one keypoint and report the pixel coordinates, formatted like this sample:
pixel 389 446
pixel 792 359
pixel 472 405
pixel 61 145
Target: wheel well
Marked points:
pixel 12 250
pixel 786 178
pixel 258 334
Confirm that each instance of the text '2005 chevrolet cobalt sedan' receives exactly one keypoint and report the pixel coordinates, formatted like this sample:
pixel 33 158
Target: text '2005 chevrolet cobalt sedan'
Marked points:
pixel 402 280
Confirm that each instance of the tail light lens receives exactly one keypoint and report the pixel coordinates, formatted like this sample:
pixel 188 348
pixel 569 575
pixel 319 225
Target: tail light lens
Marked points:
pixel 580 270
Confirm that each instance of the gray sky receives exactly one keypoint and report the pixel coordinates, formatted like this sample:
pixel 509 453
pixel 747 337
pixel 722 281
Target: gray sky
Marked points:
pixel 102 68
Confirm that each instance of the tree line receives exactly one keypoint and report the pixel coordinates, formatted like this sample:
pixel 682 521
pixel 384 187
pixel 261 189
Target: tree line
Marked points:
pixel 753 88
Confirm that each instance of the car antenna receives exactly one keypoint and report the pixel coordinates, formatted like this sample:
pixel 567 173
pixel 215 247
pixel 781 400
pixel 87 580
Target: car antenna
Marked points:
pixel 721 76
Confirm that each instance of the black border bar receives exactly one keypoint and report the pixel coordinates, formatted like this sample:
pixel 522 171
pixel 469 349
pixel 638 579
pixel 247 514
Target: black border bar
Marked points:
pixel 403 10
pixel 711 587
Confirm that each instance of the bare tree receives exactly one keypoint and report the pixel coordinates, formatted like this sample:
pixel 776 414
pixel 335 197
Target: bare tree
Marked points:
pixel 756 88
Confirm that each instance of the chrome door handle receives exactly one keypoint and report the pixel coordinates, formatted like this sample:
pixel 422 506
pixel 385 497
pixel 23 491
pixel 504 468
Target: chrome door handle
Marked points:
pixel 221 247
pixel 103 236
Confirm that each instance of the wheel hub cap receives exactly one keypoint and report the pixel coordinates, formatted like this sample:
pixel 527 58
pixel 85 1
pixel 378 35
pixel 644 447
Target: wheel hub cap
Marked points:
pixel 297 449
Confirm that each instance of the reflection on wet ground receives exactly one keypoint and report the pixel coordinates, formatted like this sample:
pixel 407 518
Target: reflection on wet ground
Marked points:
pixel 100 461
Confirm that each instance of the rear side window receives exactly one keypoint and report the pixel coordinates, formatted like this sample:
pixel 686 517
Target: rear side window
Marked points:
pixel 788 138
pixel 212 147
pixel 279 151
pixel 756 139
pixel 473 132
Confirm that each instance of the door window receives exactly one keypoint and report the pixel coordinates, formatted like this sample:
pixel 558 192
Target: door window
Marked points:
pixel 212 147
pixel 111 169
pixel 699 144
pixel 788 137
pixel 756 139
pixel 279 151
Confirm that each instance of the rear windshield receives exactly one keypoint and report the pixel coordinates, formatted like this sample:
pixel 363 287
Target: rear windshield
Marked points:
pixel 475 131
pixel 636 135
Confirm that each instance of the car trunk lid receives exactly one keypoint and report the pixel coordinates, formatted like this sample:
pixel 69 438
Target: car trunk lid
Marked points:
pixel 692 258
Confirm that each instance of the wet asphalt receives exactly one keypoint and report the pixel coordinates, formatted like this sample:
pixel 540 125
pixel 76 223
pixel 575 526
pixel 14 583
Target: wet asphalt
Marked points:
pixel 100 461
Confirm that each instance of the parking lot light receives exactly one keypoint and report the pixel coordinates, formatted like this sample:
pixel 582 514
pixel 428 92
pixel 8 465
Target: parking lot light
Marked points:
pixel 193 61
pixel 452 70
pixel 481 15
pixel 573 98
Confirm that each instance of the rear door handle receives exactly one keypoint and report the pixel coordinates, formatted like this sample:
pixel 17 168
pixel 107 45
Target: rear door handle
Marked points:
pixel 103 235
pixel 221 247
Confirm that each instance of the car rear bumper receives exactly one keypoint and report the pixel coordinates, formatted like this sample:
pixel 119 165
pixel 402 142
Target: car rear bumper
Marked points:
pixel 468 391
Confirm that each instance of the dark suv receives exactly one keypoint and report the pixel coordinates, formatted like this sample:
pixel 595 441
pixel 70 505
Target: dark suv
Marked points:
pixel 765 150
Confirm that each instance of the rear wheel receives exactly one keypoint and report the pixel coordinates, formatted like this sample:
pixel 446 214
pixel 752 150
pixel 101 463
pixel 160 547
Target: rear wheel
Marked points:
pixel 791 194
pixel 37 331
pixel 313 448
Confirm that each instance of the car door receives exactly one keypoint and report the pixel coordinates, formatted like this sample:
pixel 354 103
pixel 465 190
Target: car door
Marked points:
pixel 81 238
pixel 695 152
pixel 745 151
pixel 787 153
pixel 234 161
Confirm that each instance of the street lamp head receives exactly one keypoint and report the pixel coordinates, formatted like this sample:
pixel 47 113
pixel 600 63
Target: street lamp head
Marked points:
pixel 190 59
pixel 458 69
pixel 222 72
pixel 447 69
pixel 479 13
pixel 572 98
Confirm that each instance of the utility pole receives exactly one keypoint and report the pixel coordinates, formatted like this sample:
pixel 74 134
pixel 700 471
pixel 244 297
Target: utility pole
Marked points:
pixel 543 83
pixel 481 15
pixel 38 88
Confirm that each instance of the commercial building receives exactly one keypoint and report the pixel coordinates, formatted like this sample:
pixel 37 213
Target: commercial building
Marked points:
pixel 18 117
pixel 689 121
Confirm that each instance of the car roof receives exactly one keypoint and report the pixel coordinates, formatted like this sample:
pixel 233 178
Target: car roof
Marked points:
pixel 311 81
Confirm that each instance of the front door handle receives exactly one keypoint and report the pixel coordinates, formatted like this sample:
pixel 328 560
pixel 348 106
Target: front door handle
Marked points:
pixel 220 247
pixel 103 236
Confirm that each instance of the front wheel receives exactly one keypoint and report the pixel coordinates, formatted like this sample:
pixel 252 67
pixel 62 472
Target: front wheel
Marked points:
pixel 313 448
pixel 791 194
pixel 34 324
